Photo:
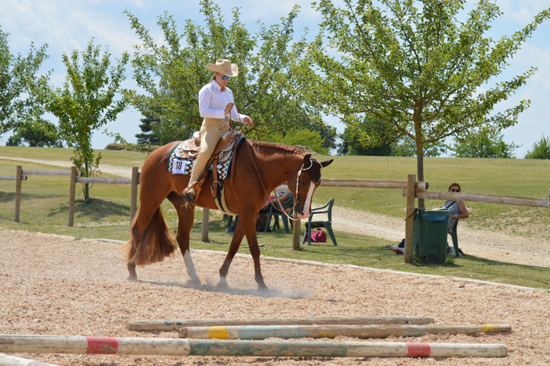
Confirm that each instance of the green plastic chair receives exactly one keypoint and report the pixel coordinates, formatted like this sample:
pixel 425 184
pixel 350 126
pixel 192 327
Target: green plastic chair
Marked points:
pixel 454 238
pixel 289 203
pixel 310 224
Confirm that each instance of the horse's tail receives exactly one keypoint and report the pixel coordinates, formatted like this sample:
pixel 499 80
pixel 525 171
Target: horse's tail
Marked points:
pixel 154 245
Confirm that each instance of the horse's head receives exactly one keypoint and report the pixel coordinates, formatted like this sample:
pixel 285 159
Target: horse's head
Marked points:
pixel 307 180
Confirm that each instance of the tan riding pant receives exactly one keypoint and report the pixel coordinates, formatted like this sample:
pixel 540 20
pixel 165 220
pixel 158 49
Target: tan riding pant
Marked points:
pixel 212 130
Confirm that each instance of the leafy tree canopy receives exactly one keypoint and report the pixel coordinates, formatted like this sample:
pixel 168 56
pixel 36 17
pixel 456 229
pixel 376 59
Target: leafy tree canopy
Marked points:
pixel 483 144
pixel 88 100
pixel 39 133
pixel 17 74
pixel 415 66
pixel 540 150
pixel 301 137
pixel 172 73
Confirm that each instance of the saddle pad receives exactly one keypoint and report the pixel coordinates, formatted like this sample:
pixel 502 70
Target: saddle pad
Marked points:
pixel 179 165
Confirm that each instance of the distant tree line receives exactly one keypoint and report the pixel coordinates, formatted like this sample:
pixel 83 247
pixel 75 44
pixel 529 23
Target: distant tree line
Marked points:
pixel 405 77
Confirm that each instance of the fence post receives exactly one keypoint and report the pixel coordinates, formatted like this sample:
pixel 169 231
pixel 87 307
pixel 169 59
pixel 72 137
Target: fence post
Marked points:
pixel 409 219
pixel 205 222
pixel 296 232
pixel 133 198
pixel 72 190
pixel 18 179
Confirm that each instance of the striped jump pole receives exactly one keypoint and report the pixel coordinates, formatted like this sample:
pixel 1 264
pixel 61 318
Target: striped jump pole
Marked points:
pixel 171 325
pixel 209 347
pixel 7 360
pixel 333 331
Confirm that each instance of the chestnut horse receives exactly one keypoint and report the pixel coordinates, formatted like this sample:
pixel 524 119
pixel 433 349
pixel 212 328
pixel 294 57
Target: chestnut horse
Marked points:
pixel 260 168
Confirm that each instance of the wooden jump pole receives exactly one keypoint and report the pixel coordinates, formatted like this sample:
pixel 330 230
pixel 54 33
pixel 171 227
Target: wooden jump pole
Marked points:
pixel 7 360
pixel 208 347
pixel 172 325
pixel 333 331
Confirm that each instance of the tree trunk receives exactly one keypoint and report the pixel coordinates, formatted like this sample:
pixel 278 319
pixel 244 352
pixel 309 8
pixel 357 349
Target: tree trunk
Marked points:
pixel 420 174
pixel 417 118
pixel 86 185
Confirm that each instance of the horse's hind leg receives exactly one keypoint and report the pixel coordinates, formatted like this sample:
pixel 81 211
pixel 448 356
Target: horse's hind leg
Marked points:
pixel 186 216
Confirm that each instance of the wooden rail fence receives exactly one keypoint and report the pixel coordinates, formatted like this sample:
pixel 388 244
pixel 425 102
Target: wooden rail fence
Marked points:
pixel 411 190
pixel 75 177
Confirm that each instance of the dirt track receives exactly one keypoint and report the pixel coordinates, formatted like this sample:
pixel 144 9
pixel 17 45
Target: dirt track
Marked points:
pixel 61 286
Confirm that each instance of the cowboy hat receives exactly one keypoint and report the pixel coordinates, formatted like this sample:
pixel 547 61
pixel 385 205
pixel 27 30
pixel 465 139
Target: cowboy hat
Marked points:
pixel 224 67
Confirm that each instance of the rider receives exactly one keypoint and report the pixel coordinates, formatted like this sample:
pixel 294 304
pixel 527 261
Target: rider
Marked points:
pixel 217 107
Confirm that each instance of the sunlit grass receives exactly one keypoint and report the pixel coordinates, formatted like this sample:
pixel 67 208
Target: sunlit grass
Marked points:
pixel 44 208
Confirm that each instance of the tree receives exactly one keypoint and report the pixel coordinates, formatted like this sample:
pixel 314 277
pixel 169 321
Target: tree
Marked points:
pixel 301 137
pixel 172 74
pixel 356 139
pixel 87 101
pixel 148 136
pixel 540 150
pixel 416 67
pixel 40 133
pixel 483 144
pixel 17 101
pixel 407 147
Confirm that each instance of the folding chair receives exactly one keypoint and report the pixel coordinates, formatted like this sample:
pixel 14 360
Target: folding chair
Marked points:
pixel 310 224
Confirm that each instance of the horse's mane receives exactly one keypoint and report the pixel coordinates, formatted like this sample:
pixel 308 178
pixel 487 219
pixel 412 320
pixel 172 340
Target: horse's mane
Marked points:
pixel 279 148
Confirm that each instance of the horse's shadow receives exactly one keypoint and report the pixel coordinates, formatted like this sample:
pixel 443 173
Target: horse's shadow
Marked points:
pixel 265 293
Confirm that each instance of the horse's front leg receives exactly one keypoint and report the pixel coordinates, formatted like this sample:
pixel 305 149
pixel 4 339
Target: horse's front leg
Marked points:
pixel 233 248
pixel 245 226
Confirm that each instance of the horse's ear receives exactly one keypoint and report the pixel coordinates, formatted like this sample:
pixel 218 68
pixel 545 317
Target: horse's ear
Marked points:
pixel 324 164
pixel 307 160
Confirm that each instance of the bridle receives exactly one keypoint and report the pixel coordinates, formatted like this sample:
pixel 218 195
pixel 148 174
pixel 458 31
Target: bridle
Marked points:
pixel 298 175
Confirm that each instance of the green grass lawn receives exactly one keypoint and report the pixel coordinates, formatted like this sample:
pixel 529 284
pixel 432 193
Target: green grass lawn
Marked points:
pixel 44 209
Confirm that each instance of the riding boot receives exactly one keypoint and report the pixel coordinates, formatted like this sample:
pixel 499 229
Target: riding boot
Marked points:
pixel 189 195
pixel 192 191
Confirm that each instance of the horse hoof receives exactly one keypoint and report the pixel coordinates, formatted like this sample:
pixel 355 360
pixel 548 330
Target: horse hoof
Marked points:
pixel 222 283
pixel 132 278
pixel 194 282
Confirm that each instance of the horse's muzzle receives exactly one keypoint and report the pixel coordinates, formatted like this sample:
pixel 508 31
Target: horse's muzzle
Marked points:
pixel 301 213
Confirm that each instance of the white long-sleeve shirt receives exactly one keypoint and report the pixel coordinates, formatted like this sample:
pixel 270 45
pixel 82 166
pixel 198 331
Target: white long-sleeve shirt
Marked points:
pixel 212 102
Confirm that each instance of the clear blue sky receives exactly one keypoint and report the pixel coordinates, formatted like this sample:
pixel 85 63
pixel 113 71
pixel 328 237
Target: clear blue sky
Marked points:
pixel 66 25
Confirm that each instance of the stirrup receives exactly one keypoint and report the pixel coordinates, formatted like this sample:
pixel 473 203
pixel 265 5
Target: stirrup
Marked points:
pixel 188 197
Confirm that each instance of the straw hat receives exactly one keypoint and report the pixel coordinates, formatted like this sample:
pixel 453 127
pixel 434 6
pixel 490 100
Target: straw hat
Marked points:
pixel 224 67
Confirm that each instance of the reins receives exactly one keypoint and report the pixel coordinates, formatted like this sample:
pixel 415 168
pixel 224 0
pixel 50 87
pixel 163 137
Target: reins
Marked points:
pixel 284 211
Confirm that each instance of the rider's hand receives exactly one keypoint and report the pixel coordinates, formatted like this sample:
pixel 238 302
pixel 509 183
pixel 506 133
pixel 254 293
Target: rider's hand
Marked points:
pixel 228 108
pixel 248 121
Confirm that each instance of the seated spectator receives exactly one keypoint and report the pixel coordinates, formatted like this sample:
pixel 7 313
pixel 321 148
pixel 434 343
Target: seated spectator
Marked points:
pixel 283 197
pixel 260 222
pixel 457 210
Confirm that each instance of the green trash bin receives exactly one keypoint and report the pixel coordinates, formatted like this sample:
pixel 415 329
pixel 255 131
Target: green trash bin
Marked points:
pixel 430 235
